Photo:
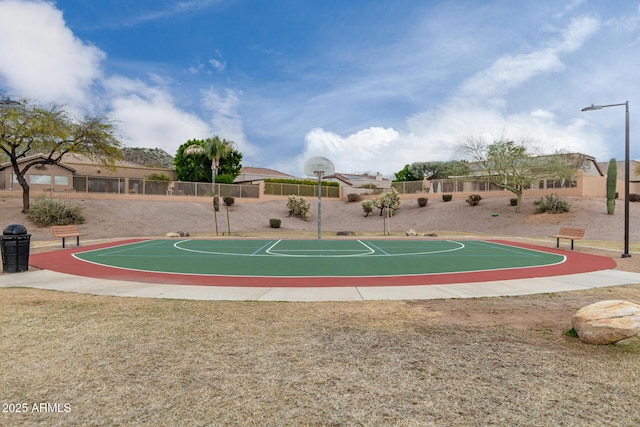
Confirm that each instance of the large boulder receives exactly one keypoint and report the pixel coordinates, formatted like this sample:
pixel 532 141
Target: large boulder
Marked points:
pixel 607 322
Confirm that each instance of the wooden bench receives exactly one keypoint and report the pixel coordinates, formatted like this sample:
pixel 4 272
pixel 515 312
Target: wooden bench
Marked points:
pixel 568 233
pixel 65 231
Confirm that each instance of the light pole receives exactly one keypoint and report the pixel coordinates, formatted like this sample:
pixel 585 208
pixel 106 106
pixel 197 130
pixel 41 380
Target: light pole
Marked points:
pixel 626 253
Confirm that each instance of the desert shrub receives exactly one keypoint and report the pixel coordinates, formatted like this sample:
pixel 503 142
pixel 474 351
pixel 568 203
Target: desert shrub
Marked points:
pixel 513 201
pixel 551 203
pixel 447 197
pixel 370 186
pixel 390 199
pixel 634 197
pixel 216 203
pixel 228 201
pixel 298 206
pixel 367 207
pixel 422 201
pixel 158 177
pixel 474 199
pixel 275 223
pixel 225 178
pixel 47 211
pixel 353 197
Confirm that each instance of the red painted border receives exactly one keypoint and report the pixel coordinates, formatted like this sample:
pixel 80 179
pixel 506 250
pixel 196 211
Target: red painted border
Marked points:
pixel 62 261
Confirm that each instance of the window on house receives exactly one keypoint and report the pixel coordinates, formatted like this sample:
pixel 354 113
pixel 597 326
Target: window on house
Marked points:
pixel 61 180
pixel 40 179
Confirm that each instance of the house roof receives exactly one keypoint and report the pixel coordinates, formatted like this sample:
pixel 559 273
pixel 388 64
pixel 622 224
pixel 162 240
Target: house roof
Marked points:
pixel 251 173
pixel 352 179
pixel 587 163
pixel 262 171
pixel 33 158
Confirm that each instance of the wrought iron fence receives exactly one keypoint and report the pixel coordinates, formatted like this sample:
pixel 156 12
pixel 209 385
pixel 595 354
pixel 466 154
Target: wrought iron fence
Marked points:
pixel 284 189
pixel 93 184
pixel 466 185
pixel 90 184
pixel 181 188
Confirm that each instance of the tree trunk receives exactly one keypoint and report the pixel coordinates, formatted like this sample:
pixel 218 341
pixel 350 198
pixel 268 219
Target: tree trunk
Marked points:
pixel 519 203
pixel 214 167
pixel 25 194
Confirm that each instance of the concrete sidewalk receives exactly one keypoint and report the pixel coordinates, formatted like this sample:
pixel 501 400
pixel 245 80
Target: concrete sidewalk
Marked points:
pixel 45 279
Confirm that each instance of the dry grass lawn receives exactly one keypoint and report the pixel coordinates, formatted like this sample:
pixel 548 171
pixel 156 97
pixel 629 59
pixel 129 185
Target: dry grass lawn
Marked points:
pixel 126 361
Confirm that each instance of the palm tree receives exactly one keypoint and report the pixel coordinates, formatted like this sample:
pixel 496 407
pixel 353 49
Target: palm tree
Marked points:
pixel 215 149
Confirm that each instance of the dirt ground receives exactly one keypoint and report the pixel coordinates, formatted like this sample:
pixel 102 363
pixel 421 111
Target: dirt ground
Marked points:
pixel 486 361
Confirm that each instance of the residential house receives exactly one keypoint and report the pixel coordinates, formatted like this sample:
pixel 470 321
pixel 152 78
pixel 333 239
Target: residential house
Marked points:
pixel 53 177
pixel 359 184
pixel 253 175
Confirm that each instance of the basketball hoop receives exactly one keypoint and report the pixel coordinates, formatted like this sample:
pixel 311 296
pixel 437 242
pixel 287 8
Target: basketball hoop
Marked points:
pixel 319 166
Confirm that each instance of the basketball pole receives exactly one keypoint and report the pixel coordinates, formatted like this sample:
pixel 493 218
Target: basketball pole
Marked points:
pixel 319 175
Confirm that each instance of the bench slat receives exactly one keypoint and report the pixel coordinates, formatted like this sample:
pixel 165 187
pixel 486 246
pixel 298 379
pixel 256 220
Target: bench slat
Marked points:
pixel 64 231
pixel 570 233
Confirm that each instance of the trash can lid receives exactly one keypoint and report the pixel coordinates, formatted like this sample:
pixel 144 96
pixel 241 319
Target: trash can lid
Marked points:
pixel 14 230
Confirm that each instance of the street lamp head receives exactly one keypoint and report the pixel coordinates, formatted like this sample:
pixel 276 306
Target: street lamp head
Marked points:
pixel 592 107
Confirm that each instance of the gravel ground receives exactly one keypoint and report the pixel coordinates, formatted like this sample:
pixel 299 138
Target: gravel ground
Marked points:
pixel 493 216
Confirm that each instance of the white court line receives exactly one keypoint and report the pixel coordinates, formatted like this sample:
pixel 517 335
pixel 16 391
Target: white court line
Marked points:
pixel 342 255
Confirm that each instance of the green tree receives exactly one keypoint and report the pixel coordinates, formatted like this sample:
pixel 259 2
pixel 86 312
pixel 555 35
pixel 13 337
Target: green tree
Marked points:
pixel 432 170
pixel 406 175
pixel 215 149
pixel 194 164
pixel 440 170
pixel 193 167
pixel 514 166
pixel 27 129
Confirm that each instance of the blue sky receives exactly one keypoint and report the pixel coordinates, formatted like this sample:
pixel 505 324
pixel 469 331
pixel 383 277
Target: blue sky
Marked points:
pixel 372 85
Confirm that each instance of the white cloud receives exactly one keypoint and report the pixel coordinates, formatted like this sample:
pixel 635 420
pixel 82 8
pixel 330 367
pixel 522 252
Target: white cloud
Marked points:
pixel 359 152
pixel 40 58
pixel 217 65
pixel 511 71
pixel 226 121
pixel 147 117
pixel 576 33
pixel 478 108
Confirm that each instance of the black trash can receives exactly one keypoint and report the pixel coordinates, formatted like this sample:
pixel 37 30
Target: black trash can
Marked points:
pixel 15 243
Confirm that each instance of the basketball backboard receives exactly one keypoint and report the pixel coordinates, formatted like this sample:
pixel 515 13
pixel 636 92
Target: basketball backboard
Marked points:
pixel 318 166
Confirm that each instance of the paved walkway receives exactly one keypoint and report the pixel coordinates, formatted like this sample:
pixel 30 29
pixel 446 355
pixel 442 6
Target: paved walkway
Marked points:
pixel 45 279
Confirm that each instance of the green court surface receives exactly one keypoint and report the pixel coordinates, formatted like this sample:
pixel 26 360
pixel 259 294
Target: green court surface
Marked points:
pixel 317 258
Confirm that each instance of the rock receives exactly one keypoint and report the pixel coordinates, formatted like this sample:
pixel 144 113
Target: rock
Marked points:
pixel 345 233
pixel 172 234
pixel 183 233
pixel 607 322
pixel 411 232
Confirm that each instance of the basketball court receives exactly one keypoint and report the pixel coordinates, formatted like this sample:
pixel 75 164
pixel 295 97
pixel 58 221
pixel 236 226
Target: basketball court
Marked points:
pixel 314 270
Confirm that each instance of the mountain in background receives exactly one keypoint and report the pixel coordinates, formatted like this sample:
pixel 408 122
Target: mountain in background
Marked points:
pixel 148 157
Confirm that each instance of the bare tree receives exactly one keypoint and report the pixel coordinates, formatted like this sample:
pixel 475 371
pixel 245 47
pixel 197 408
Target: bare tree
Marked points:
pixel 27 130
pixel 514 166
